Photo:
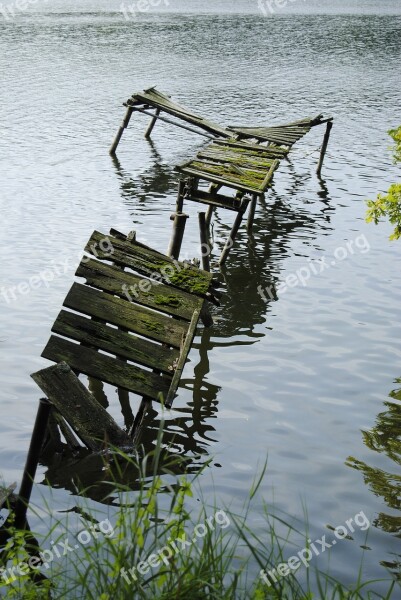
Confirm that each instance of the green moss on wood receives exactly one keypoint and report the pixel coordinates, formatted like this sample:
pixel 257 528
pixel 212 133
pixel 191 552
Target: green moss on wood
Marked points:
pixel 170 300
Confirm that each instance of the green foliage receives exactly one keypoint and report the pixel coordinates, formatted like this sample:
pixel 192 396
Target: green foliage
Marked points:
pixel 389 205
pixel 222 562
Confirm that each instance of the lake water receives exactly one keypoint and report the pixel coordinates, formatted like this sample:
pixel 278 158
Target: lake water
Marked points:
pixel 295 378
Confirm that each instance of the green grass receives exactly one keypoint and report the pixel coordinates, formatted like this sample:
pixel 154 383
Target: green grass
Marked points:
pixel 221 560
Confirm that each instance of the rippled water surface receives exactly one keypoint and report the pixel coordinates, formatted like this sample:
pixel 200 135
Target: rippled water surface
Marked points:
pixel 295 377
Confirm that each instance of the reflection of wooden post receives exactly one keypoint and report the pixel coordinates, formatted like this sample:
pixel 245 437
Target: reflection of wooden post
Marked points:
pixel 251 213
pixel 324 146
pixel 174 248
pixel 234 231
pixel 209 214
pixel 120 132
pixel 152 123
pixel 205 248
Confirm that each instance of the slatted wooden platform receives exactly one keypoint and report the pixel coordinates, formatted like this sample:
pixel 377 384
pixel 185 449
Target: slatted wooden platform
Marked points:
pixel 132 322
pixel 280 135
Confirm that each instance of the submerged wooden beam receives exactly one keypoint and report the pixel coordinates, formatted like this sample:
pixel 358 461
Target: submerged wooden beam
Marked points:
pixel 92 423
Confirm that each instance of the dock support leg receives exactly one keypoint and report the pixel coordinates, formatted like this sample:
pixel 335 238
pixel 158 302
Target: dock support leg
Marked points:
pixel 35 447
pixel 231 238
pixel 251 213
pixel 152 123
pixel 174 248
pixel 120 132
pixel 209 214
pixel 324 146
pixel 204 240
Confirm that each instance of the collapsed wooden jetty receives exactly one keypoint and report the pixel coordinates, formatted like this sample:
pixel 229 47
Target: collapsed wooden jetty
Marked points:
pixel 240 158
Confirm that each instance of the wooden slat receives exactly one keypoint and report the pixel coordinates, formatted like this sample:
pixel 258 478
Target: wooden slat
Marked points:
pixel 274 152
pixel 154 98
pixel 87 417
pixel 218 200
pixel 157 295
pixel 108 369
pixel 182 360
pixel 115 341
pixel 184 276
pixel 232 180
pixel 243 160
pixel 122 313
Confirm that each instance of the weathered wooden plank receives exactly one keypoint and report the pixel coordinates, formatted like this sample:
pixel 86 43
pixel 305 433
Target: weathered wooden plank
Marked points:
pixel 182 360
pixel 139 289
pixel 227 175
pixel 242 160
pixel 217 200
pixel 115 341
pixel 269 150
pixel 175 273
pixel 157 99
pixel 106 368
pixel 122 313
pixel 87 417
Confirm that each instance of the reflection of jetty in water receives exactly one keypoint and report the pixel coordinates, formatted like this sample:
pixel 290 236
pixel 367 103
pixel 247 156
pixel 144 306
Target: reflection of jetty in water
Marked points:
pixel 385 438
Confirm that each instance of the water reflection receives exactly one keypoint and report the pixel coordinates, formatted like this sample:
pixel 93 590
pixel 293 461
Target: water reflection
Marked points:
pixel 385 438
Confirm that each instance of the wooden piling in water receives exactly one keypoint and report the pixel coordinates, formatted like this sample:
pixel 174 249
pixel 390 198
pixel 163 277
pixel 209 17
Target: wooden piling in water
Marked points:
pixel 324 146
pixel 177 235
pixel 251 213
pixel 152 124
pixel 204 240
pixel 120 132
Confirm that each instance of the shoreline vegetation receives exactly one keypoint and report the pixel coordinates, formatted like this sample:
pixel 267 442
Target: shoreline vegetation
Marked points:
pixel 151 544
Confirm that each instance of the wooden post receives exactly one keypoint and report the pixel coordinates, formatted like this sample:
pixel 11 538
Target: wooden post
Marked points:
pixel 231 238
pixel 251 213
pixel 120 132
pixel 174 248
pixel 324 146
pixel 91 422
pixel 209 214
pixel 35 447
pixel 152 124
pixel 205 248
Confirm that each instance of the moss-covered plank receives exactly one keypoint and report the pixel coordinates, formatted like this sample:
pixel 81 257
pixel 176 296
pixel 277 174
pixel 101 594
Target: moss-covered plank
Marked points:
pixel 250 178
pixel 139 289
pixel 135 318
pixel 110 370
pixel 241 160
pixel 239 146
pixel 178 274
pixel 117 342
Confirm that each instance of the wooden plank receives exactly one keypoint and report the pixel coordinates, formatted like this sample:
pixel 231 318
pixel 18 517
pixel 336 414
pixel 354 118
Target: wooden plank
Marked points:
pixel 87 417
pixel 216 200
pixel 243 160
pixel 106 368
pixel 122 313
pixel 181 275
pixel 182 360
pixel 139 289
pixel 274 152
pixel 157 99
pixel 115 341
pixel 230 179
